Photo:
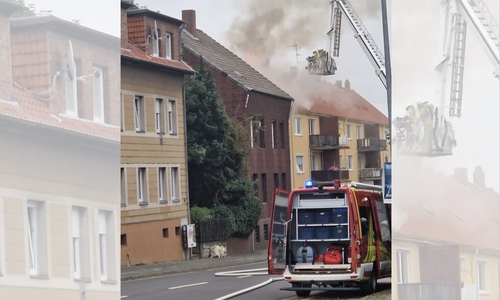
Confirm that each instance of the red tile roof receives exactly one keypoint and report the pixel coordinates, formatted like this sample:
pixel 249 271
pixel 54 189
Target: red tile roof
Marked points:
pixel 444 210
pixel 332 100
pixel 137 54
pixel 27 107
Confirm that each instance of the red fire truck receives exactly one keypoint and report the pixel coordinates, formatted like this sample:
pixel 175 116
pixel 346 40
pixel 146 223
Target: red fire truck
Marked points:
pixel 334 237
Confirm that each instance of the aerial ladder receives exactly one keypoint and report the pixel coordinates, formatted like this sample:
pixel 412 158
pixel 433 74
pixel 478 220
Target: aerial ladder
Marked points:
pixel 424 130
pixel 322 62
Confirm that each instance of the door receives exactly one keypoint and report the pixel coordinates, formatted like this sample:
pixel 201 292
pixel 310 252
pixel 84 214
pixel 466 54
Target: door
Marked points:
pixel 280 216
pixel 383 223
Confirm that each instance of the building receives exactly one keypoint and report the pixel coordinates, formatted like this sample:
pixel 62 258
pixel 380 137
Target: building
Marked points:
pixel 340 136
pixel 155 201
pixel 59 196
pixel 260 106
pixel 445 234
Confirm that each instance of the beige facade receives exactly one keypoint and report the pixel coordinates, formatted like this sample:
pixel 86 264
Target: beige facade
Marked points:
pixel 154 199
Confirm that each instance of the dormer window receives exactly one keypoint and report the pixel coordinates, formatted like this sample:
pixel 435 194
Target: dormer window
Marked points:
pixel 168 46
pixel 155 40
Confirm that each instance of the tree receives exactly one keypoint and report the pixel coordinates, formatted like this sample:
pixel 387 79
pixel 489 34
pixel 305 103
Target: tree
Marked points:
pixel 216 157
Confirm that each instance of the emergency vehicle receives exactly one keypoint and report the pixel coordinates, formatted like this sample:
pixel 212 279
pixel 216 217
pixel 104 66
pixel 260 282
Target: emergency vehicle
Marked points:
pixel 335 237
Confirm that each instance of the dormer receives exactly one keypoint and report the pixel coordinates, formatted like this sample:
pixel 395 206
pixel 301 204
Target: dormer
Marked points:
pixel 157 34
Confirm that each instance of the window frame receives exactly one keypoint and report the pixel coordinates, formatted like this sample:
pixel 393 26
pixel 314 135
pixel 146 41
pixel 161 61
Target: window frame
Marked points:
pixel 482 276
pixel 348 131
pixel 172 117
pixel 123 187
pixel 168 45
pixel 175 185
pixel 312 128
pixel 350 162
pixel 403 265
pixel 358 132
pixel 299 168
pixel 162 185
pixel 98 93
pixel 142 195
pixel 298 125
pixel 159 116
pixel 273 134
pixel 139 114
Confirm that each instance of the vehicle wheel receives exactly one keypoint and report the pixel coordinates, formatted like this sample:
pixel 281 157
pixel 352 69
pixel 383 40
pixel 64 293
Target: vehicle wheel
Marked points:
pixel 301 293
pixel 370 287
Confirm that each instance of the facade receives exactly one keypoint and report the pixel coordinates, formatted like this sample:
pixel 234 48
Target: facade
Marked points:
pixel 341 136
pixel 153 172
pixel 260 106
pixel 445 234
pixel 59 201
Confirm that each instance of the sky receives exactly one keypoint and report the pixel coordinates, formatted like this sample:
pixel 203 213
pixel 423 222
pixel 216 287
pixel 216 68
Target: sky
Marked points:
pixel 263 32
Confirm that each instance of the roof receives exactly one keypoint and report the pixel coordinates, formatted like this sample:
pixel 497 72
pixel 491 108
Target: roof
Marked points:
pixel 226 62
pixel 134 53
pixel 155 15
pixel 26 107
pixel 331 100
pixel 444 210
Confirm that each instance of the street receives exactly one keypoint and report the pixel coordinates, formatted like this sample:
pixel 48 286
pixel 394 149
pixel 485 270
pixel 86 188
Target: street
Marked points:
pixel 205 285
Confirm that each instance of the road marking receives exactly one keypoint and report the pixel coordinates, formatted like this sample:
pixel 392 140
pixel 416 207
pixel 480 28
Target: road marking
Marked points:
pixel 244 276
pixel 123 297
pixel 187 285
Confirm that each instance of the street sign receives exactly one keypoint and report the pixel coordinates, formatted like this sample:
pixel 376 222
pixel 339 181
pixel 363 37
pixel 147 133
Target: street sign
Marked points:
pixel 387 182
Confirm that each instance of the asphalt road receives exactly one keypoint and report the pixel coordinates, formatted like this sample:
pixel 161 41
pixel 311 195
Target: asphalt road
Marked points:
pixel 205 285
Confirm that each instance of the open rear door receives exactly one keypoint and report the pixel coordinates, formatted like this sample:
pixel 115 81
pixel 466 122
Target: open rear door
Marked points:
pixel 280 215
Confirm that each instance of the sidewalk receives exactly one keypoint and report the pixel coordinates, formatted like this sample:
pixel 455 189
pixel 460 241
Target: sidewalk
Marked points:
pixel 192 265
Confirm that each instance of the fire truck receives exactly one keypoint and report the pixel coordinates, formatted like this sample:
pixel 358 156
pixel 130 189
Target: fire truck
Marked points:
pixel 330 237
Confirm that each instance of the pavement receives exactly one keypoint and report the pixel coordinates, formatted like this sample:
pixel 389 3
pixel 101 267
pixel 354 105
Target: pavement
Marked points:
pixel 192 265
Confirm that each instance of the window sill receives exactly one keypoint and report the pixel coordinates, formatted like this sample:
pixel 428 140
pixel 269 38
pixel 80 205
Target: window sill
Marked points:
pixel 163 201
pixel 82 280
pixel 176 200
pixel 108 281
pixel 39 276
pixel 123 205
pixel 143 203
pixel 140 131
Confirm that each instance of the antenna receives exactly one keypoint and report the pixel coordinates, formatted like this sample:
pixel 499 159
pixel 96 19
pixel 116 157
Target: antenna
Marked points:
pixel 296 52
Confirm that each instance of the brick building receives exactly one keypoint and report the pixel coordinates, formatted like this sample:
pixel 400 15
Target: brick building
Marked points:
pixel 261 106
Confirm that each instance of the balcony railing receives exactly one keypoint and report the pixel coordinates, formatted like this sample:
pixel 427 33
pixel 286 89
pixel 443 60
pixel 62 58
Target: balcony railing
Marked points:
pixel 370 173
pixel 327 175
pixel 371 144
pixel 327 141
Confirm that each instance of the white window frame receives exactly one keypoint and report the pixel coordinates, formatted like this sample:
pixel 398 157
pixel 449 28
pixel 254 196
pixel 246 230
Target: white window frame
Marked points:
pixel 251 133
pixel 155 38
pixel 299 163
pixel 162 185
pixel 348 131
pixel 311 126
pixel 350 164
pixel 358 132
pixel 360 162
pixel 403 267
pixel 142 185
pixel 106 246
pixel 174 184
pixel 76 239
pixel 122 114
pixel 482 276
pixel 98 93
pixel 71 97
pixel 313 162
pixel 172 117
pixel 123 186
pixel 168 45
pixel 273 127
pixel 159 116
pixel 139 116
pixel 33 237
pixel 298 125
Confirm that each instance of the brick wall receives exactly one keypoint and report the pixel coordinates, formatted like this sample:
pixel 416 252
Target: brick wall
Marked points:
pixel 5 60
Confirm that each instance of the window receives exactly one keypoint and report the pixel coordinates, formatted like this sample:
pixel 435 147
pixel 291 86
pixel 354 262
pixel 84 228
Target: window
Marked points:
pixel 282 135
pixel 273 134
pixel 283 181
pixel 139 114
pixel 81 266
pixel 174 182
pixel 262 130
pixel 481 276
pixel 123 184
pixel 403 266
pixel 142 186
pixel 276 181
pixel 462 264
pixel 159 116
pixel 162 185
pixel 71 86
pixel 340 125
pixel 266 232
pixel 358 132
pixel 155 40
pixel 98 94
pixel 311 126
pixel 172 117
pixel 252 140
pixel 255 178
pixel 168 44
pixel 341 162
pixel 178 231
pixel 106 246
pixel 385 229
pixel 348 130
pixel 350 163
pixel 264 188
pixel 37 238
pixel 298 127
pixel 299 164
pixel 122 119
pixel 313 162
pixel 257 234
pixel 360 163
pixel 123 240
pixel 165 232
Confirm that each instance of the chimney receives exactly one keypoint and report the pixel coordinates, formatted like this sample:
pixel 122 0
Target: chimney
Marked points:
pixel 479 177
pixel 189 16
pixel 461 175
pixel 123 23
pixel 338 83
pixel 347 85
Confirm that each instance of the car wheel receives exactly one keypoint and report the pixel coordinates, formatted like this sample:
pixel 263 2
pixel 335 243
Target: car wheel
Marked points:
pixel 370 287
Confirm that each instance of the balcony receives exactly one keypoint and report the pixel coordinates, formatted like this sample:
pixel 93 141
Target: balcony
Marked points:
pixel 370 174
pixel 327 142
pixel 371 144
pixel 329 176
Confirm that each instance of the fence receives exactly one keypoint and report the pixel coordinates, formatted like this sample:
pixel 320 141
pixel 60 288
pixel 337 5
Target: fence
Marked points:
pixel 213 230
pixel 428 291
